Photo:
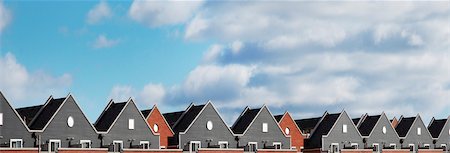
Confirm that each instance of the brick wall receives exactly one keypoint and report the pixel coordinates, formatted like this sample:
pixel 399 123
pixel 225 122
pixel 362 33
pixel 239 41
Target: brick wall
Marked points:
pixel 356 151
pixel 395 150
pixel 296 136
pixel 82 150
pixel 18 150
pixel 431 151
pixel 217 150
pixel 152 151
pixel 276 151
pixel 163 129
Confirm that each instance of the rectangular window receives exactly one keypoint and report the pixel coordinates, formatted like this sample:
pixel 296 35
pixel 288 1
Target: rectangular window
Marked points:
pixel 118 146
pixel 193 146
pixel 85 143
pixel 344 128
pixel 277 145
pixel 426 146
pixel 393 146
pixel 54 145
pixel 444 147
pixel 145 144
pixel 376 148
pixel 131 124
pixel 252 146
pixel 223 144
pixel 334 148
pixel 1 118
pixel 412 148
pixel 265 127
pixel 354 145
pixel 16 143
pixel 419 131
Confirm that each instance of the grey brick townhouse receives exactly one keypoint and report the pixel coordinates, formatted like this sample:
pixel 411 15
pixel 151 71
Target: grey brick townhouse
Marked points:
pixel 413 133
pixel 13 131
pixel 378 133
pixel 258 129
pixel 60 123
pixel 201 126
pixel 121 125
pixel 307 125
pixel 335 132
pixel 440 130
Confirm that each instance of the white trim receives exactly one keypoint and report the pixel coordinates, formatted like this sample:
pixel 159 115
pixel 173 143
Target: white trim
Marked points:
pixel 390 124
pixel 265 127
pixel 332 149
pixel 114 145
pixel 287 113
pixel 86 141
pixel 222 142
pixel 355 144
pixel 143 143
pixel 344 128
pixel 252 143
pixel 378 148
pixel 415 119
pixel 276 143
pixel 427 145
pixel 414 147
pixel 131 124
pixel 1 119
pixel 15 140
pixel 194 142
pixel 335 123
pixel 151 112
pixel 15 111
pixel 40 110
pixel 50 145
pixel 393 144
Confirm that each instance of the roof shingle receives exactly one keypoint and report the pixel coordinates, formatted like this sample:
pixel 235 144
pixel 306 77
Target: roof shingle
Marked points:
pixel 109 116
pixel 367 125
pixel 436 127
pixel 244 121
pixel 46 114
pixel 404 125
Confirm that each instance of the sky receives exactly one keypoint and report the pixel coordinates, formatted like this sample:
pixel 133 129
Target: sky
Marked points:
pixel 304 57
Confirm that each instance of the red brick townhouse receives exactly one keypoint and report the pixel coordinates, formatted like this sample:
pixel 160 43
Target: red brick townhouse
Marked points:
pixel 290 128
pixel 159 125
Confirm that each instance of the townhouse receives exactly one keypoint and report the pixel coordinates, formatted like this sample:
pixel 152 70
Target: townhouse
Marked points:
pixel 307 125
pixel 378 133
pixel 440 130
pixel 159 125
pixel 291 129
pixel 413 133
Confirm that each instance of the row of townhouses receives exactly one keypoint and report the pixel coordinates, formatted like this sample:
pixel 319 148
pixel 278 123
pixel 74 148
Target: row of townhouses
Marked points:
pixel 59 125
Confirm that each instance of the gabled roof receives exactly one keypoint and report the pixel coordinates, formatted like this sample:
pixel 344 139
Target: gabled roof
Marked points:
pixel 244 121
pixel 404 125
pixel 436 126
pixel 146 112
pixel 324 126
pixel 187 118
pixel 366 126
pixel 173 117
pixel 308 123
pixel 356 121
pixel 278 117
pixel 109 115
pixel 15 111
pixel 28 113
pixel 46 113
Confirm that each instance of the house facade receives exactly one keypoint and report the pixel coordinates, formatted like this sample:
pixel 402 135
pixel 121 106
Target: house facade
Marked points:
pixel 159 125
pixel 257 129
pixel 378 133
pixel 413 133
pixel 14 133
pixel 291 129
pixel 440 130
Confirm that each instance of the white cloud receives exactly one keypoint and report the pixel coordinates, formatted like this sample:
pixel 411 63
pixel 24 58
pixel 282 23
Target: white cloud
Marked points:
pixel 152 94
pixel 100 12
pixel 121 93
pixel 163 12
pixel 213 53
pixel 103 42
pixel 5 16
pixel 24 87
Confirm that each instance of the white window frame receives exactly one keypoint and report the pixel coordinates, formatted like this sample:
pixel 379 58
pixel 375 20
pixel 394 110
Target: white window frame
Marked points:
pixel 194 142
pixel 377 146
pixel 419 131
pixel 414 147
pixel 355 144
pixel 50 145
pixel 265 127
pixel 114 145
pixel 384 130
pixel 220 143
pixel 15 140
pixel 444 145
pixel 253 143
pixel 130 124
pixel 1 119
pixel 393 144
pixel 143 143
pixel 427 145
pixel 275 145
pixel 332 149
pixel 344 128
pixel 84 141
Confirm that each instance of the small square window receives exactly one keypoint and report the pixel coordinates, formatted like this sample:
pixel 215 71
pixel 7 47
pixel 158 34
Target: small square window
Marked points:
pixel 85 143
pixel 265 127
pixel 393 146
pixel 419 131
pixel 131 124
pixel 223 144
pixel 16 143
pixel 344 128
pixel 277 145
pixel 354 145
pixel 145 144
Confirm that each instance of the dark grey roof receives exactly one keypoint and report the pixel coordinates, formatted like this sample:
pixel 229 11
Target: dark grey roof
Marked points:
pixel 43 117
pixel 244 121
pixel 307 124
pixel 404 125
pixel 28 113
pixel 436 127
pixel 173 117
pixel 109 116
pixel 187 118
pixel 367 125
pixel 323 128
pixel 356 120
pixel 145 113
pixel 278 117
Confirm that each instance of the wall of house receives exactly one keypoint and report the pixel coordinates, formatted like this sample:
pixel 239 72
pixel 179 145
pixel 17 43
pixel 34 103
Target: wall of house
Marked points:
pixel 444 137
pixel 337 136
pixel 356 151
pixel 296 136
pixel 19 150
pixel 141 131
pixel 82 150
pixel 430 151
pixel 216 150
pixel 163 129
pixel 379 137
pixel 418 140
pixel 274 134
pixel 152 151
pixel 12 127
pixel 396 151
pixel 81 130
pixel 276 151
pixel 199 132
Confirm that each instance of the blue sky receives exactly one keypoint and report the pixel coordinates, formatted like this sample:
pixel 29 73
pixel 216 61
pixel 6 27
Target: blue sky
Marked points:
pixel 304 57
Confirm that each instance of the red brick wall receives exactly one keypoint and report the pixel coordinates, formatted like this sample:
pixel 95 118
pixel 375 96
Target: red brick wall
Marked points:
pixel 153 151
pixel 276 151
pixel 356 151
pixel 207 150
pixel 395 150
pixel 82 150
pixel 296 136
pixel 163 129
pixel 21 150
pixel 317 150
pixel 431 151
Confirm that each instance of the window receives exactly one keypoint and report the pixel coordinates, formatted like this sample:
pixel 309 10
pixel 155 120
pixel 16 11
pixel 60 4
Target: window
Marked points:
pixel 287 131
pixel 131 124
pixel 412 148
pixel 117 146
pixel 145 144
pixel 426 146
pixel 334 147
pixel 70 121
pixel 265 127
pixel 277 145
pixel 419 131
pixel 54 145
pixel 16 143
pixel 193 146
pixel 354 145
pixel 344 128
pixel 155 127
pixel 85 143
pixel 252 146
pixel 376 148
pixel 444 147
pixel 393 146
pixel 384 129
pixel 1 118
pixel 209 125
pixel 223 144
